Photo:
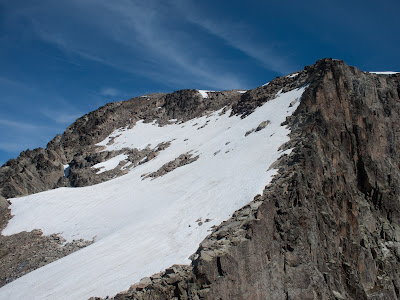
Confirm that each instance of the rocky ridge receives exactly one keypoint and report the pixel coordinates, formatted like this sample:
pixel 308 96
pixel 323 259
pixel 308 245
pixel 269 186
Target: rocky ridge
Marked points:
pixel 328 225
pixel 42 169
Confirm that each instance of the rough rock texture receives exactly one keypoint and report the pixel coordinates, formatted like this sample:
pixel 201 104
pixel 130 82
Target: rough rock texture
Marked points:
pixel 261 126
pixel 26 251
pixel 180 161
pixel 328 225
pixel 82 171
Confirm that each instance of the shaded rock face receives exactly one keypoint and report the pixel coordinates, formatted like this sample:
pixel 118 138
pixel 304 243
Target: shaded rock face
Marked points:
pixel 328 225
pixel 180 161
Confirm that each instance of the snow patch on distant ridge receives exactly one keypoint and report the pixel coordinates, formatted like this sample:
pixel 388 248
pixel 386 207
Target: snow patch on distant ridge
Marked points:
pixel 110 164
pixel 292 75
pixel 385 73
pixel 204 93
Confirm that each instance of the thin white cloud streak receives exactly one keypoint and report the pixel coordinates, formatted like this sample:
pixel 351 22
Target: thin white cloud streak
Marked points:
pixel 156 51
pixel 60 116
pixel 238 36
pixel 20 125
pixel 19 135
pixel 109 92
pixel 167 45
pixel 13 83
pixel 63 60
pixel 13 147
pixel 262 54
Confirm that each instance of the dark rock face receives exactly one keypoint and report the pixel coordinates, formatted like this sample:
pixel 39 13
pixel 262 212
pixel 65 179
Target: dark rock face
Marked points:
pixel 328 226
pixel 180 161
pixel 188 104
pixel 33 171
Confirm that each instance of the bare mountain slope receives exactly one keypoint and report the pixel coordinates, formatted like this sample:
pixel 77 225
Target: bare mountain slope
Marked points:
pixel 325 227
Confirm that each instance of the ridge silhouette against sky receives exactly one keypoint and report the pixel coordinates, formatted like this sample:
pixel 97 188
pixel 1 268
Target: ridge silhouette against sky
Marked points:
pixel 62 59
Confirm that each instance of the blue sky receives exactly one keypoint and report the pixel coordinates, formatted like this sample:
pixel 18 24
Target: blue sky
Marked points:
pixel 62 59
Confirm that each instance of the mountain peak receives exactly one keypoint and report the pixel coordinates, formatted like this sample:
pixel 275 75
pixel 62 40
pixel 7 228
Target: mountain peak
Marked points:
pixel 283 191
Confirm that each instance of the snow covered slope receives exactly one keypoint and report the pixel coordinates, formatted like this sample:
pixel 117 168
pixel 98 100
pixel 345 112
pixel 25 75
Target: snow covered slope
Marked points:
pixel 385 73
pixel 142 226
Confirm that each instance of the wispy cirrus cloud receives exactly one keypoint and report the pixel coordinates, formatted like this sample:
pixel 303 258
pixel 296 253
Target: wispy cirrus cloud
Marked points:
pixel 13 83
pixel 14 147
pixel 19 135
pixel 136 37
pixel 60 116
pixel 238 35
pixel 14 125
pixel 110 92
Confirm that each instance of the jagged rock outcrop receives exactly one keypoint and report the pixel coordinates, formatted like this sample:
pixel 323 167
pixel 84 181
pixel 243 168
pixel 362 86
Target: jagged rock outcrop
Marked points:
pixel 180 161
pixel 28 251
pixel 328 225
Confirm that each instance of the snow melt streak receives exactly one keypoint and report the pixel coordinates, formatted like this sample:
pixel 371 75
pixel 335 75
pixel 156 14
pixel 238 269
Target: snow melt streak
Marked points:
pixel 144 226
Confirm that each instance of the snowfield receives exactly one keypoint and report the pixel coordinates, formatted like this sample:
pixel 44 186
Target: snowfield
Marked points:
pixel 204 93
pixel 141 227
pixel 385 73
pixel 111 163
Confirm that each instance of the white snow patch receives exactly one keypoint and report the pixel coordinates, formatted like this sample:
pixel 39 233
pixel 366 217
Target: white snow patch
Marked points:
pixel 242 92
pixel 141 226
pixel 385 73
pixel 265 84
pixel 292 75
pixel 110 164
pixel 204 93
pixel 67 170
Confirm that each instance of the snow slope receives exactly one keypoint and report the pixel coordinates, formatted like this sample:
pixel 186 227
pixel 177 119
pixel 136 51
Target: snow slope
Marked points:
pixel 111 163
pixel 204 93
pixel 140 226
pixel 385 73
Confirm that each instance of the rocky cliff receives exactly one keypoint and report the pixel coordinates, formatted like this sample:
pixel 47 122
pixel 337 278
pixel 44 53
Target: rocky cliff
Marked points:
pixel 327 227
